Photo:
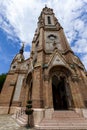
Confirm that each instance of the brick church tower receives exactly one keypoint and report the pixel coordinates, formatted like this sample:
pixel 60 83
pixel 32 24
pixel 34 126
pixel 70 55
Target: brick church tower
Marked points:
pixel 53 77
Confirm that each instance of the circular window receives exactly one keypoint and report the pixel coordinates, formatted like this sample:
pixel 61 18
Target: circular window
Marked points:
pixel 14 67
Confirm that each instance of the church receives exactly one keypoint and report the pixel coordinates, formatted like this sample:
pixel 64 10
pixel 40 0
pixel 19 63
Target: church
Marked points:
pixel 53 77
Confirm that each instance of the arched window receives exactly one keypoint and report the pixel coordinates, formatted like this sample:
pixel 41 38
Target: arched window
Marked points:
pixel 49 20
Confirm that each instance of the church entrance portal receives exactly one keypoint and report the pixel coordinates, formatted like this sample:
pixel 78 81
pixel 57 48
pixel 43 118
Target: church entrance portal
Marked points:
pixel 60 101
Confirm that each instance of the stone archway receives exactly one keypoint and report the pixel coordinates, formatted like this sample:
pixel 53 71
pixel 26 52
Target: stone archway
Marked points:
pixel 61 93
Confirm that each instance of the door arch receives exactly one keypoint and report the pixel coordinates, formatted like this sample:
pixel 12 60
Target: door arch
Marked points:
pixel 61 92
pixel 60 101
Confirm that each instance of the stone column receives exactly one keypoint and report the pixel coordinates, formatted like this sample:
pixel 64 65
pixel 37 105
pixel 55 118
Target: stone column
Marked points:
pixel 50 95
pixel 37 89
pixel 76 95
pixel 48 92
pixel 46 95
pixel 69 96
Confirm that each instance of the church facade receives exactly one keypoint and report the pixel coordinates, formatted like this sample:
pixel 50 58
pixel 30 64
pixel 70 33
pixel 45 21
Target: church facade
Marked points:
pixel 53 77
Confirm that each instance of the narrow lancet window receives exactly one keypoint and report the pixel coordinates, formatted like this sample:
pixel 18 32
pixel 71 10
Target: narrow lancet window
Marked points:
pixel 49 20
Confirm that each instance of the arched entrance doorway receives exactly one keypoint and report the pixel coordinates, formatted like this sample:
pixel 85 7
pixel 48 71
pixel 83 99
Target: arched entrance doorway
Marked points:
pixel 61 92
pixel 60 101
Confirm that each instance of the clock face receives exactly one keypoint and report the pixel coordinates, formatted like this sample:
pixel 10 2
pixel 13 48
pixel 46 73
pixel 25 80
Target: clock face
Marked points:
pixel 52 37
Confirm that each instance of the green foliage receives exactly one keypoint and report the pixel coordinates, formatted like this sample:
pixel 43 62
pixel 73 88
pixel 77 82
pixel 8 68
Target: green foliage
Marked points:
pixel 28 112
pixel 29 106
pixel 2 79
pixel 29 102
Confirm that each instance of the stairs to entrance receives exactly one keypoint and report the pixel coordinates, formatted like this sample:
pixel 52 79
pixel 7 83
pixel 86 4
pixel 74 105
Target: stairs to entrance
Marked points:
pixel 21 120
pixel 63 120
pixel 20 117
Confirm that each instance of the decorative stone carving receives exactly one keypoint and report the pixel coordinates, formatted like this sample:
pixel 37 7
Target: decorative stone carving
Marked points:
pixel 72 66
pixel 54 44
pixel 57 61
pixel 47 10
pixel 75 78
pixel 61 75
pixel 60 71
pixel 41 23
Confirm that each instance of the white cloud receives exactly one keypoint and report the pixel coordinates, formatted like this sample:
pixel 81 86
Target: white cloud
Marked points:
pixel 22 16
pixel 80 46
pixel 84 34
pixel 79 25
pixel 20 19
pixel 26 54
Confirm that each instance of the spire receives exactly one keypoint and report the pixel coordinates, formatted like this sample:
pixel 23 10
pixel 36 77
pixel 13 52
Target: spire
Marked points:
pixel 45 5
pixel 22 48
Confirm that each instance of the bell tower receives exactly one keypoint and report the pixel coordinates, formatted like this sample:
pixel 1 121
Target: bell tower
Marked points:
pixel 52 56
pixel 49 36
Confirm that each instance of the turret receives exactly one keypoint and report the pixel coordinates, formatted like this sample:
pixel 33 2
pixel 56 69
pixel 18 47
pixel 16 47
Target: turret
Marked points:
pixel 18 58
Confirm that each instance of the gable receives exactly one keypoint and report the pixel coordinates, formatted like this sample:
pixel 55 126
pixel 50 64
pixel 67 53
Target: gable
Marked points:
pixel 57 59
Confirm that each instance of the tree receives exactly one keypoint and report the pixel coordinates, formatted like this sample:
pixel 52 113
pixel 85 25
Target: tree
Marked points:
pixel 2 79
pixel 29 111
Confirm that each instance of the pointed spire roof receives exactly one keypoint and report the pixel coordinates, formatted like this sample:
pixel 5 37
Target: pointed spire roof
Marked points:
pixel 22 49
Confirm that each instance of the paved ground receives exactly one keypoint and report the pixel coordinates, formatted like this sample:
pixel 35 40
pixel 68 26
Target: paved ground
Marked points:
pixel 7 123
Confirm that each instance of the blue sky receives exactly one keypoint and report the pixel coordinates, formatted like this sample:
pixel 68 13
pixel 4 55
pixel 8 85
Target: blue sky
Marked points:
pixel 18 21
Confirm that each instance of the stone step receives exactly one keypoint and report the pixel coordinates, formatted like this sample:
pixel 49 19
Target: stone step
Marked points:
pixel 70 114
pixel 73 122
pixel 24 116
pixel 62 128
pixel 64 123
pixel 21 120
pixel 63 120
pixel 21 123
